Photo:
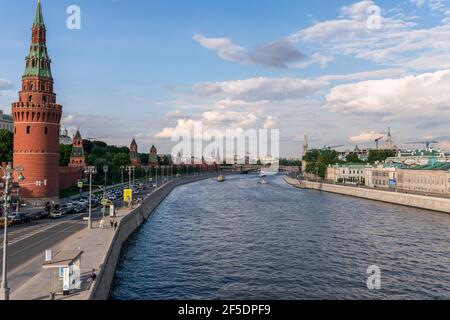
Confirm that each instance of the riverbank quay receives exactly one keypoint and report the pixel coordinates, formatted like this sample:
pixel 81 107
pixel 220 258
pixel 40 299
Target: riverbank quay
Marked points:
pixel 409 200
pixel 101 248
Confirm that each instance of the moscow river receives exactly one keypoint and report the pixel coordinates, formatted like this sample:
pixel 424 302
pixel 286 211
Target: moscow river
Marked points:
pixel 244 240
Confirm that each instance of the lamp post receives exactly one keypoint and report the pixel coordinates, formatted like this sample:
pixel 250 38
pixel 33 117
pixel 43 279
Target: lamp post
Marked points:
pixel 130 170
pixel 121 171
pixel 105 170
pixel 146 175
pixel 8 176
pixel 90 170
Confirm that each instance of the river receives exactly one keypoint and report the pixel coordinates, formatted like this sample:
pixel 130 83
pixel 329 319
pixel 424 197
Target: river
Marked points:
pixel 244 240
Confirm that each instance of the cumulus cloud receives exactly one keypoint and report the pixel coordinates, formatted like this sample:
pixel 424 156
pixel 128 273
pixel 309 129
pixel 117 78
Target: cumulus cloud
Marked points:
pixel 6 85
pixel 366 137
pixel 411 96
pixel 400 37
pixel 256 89
pixel 277 54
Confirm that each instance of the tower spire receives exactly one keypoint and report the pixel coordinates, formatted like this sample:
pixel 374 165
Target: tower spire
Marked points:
pixel 39 19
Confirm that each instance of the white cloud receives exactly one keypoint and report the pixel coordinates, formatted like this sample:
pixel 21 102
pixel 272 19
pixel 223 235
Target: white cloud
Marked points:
pixel 366 137
pixel 257 89
pixel 174 114
pixel 375 74
pixel 269 123
pixel 277 54
pixel 418 96
pixel 6 85
pixel 316 58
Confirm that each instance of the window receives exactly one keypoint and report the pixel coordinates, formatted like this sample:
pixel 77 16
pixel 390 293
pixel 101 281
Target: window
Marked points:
pixel 30 98
pixel 46 130
pixel 28 129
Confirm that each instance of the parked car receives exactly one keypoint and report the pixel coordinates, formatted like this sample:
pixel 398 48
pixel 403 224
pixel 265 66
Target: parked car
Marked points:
pixel 20 218
pixel 2 222
pixel 80 209
pixel 66 209
pixel 38 215
pixel 56 214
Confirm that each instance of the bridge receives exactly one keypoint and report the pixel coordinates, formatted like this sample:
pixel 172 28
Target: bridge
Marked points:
pixel 248 168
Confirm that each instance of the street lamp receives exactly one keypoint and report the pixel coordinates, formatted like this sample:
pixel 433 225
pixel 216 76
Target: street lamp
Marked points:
pixel 121 171
pixel 146 175
pixel 130 170
pixel 8 176
pixel 105 170
pixel 91 170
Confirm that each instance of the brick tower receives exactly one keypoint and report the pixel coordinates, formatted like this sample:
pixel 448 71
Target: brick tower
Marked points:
pixel 77 158
pixel 37 121
pixel 153 157
pixel 134 155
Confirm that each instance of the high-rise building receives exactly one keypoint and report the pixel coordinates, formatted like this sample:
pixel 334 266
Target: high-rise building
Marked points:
pixel 37 119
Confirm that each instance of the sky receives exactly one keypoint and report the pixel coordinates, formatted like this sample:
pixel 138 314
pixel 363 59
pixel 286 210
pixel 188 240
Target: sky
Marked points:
pixel 330 70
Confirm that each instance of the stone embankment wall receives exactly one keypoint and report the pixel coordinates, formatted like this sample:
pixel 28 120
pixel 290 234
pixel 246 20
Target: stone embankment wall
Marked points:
pixel 128 225
pixel 410 200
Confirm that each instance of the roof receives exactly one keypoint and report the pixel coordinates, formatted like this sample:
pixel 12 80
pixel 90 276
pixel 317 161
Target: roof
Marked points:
pixel 63 259
pixel 39 18
pixel 445 166
pixel 78 135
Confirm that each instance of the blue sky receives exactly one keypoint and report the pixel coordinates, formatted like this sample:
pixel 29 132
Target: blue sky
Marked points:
pixel 146 69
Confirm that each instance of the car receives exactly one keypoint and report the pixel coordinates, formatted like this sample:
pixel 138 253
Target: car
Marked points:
pixel 38 215
pixel 56 214
pixel 80 209
pixel 20 218
pixel 66 209
pixel 2 222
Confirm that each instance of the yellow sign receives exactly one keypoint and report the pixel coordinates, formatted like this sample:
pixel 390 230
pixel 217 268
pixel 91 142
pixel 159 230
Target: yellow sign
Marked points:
pixel 127 195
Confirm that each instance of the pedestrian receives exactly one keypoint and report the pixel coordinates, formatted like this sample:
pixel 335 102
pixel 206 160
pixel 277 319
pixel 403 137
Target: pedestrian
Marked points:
pixel 93 275
pixel 116 224
pixel 111 221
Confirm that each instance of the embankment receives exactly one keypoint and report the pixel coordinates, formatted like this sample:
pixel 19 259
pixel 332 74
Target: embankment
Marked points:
pixel 410 200
pixel 128 225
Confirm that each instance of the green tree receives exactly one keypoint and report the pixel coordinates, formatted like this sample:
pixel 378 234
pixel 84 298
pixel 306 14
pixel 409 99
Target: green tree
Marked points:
pixel 6 146
pixel 380 155
pixel 353 158
pixel 64 154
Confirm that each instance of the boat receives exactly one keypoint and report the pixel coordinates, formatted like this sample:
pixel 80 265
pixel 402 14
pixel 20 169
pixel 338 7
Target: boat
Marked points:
pixel 221 178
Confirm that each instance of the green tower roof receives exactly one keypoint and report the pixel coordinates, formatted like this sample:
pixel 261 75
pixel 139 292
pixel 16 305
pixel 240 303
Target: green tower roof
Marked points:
pixel 39 19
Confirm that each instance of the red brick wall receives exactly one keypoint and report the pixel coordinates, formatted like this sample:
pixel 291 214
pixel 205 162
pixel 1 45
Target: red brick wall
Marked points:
pixel 68 177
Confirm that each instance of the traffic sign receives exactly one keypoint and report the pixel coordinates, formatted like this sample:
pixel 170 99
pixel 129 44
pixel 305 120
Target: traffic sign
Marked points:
pixel 104 202
pixel 80 184
pixel 127 195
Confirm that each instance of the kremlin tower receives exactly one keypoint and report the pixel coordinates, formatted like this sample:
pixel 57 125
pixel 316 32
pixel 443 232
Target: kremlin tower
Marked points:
pixel 37 119
pixel 77 158
pixel 134 154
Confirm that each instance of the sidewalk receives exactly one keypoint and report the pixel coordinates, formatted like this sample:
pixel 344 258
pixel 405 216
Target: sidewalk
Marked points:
pixel 94 244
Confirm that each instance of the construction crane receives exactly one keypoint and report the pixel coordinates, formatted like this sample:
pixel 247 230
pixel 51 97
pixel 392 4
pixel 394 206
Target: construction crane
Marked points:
pixel 332 147
pixel 377 141
pixel 426 143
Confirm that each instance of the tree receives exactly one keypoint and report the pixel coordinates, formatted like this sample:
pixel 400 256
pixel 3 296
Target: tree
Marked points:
pixel 319 160
pixel 144 158
pixel 6 146
pixel 65 152
pixel 353 158
pixel 380 155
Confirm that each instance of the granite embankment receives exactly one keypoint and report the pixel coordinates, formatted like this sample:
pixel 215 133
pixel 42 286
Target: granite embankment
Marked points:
pixel 410 200
pixel 128 225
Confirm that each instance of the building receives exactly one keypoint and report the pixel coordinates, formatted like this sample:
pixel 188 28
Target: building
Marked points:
pixel 348 173
pixel 6 122
pixel 64 138
pixel 420 157
pixel 389 142
pixel 134 154
pixel 382 176
pixel 77 158
pixel 153 157
pixel 37 119
pixel 433 179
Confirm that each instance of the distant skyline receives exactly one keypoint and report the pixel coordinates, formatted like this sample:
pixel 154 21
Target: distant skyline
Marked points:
pixel 145 69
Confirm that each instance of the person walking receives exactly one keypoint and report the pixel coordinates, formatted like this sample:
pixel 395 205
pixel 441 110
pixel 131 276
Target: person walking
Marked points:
pixel 111 221
pixel 116 224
